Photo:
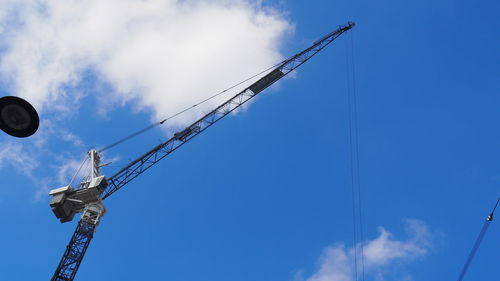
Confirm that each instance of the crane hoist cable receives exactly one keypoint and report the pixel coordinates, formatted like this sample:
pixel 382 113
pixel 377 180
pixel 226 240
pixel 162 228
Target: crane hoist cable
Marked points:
pixel 357 214
pixel 158 123
pixel 479 239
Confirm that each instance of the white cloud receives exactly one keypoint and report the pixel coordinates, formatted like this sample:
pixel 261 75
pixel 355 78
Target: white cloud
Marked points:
pixel 162 55
pixel 380 255
pixel 72 138
pixel 33 158
pixel 159 56
pixel 24 154
pixel 386 249
pixel 70 170
pixel 13 153
pixel 335 265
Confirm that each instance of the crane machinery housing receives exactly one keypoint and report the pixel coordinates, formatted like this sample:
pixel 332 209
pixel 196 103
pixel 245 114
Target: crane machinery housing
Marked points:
pixel 88 197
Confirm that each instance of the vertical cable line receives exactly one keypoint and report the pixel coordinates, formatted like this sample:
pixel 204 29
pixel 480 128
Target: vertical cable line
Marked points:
pixel 357 155
pixel 354 161
pixel 351 165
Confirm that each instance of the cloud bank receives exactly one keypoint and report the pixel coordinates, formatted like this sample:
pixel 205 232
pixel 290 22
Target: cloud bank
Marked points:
pixel 11 153
pixel 156 56
pixel 159 55
pixel 381 256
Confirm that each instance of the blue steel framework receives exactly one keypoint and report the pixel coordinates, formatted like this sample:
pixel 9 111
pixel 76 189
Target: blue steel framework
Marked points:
pixel 68 266
pixel 80 240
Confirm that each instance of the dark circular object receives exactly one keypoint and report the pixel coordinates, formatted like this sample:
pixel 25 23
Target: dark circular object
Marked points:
pixel 18 118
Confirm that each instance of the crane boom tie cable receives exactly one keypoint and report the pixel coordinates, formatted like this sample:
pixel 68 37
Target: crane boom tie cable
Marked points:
pixel 78 171
pixel 184 110
pixel 479 239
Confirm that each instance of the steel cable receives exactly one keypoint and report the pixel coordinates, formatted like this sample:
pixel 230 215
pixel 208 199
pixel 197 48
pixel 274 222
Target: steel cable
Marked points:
pixel 184 110
pixel 477 244
pixel 357 214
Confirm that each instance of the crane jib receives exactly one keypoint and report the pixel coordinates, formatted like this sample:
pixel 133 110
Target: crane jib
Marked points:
pixel 88 199
pixel 144 162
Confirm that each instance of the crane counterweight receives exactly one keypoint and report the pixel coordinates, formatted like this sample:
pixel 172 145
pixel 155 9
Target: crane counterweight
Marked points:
pixel 66 201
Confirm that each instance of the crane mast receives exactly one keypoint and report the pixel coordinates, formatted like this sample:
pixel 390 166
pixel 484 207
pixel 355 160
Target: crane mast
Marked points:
pixel 88 198
pixel 87 201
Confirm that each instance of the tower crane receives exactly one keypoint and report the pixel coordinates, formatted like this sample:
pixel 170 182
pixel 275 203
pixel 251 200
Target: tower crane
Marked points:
pixel 88 198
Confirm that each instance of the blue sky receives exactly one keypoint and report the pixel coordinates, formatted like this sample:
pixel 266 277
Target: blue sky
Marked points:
pixel 264 194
